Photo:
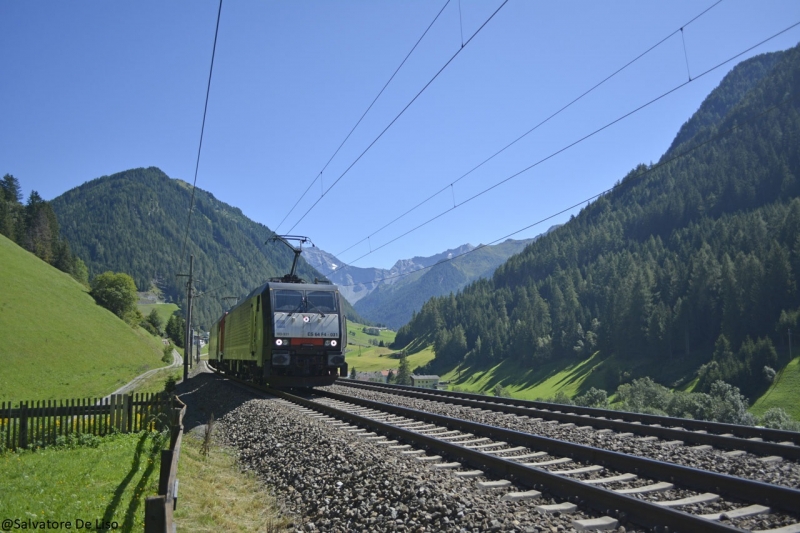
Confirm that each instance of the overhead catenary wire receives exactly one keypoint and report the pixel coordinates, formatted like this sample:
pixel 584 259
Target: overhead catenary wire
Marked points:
pixel 537 126
pixel 642 174
pixel 202 131
pixel 319 176
pixel 569 146
pixel 399 114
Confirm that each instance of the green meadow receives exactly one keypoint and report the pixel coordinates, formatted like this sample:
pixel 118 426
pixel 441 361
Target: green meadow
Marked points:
pixel 365 357
pixel 56 341
pixel 105 482
pixel 575 378
pixel 528 383
pixel 164 310
pixel 784 392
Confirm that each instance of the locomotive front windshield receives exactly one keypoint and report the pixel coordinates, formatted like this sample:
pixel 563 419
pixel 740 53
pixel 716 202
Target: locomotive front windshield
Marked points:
pixel 294 301
pixel 289 301
pixel 321 301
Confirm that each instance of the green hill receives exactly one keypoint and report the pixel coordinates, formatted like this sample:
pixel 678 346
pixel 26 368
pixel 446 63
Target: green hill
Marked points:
pixel 135 222
pixel 56 342
pixel 686 271
pixel 783 392
pixel 365 356
pixel 164 310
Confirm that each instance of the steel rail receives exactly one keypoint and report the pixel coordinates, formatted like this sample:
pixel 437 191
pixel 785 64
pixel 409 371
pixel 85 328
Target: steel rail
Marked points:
pixel 777 497
pixel 624 508
pixel 690 425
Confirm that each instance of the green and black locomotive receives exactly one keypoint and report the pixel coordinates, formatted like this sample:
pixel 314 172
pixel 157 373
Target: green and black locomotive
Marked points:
pixel 286 333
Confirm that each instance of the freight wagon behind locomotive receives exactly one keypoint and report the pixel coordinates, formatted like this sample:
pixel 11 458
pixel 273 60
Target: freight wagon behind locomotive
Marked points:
pixel 286 333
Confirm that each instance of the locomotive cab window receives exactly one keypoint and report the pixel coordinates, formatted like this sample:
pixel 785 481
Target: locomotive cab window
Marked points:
pixel 321 301
pixel 288 301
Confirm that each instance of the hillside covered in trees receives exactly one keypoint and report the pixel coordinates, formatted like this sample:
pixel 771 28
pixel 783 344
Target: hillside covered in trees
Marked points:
pixel 135 222
pixel 693 261
pixel 34 226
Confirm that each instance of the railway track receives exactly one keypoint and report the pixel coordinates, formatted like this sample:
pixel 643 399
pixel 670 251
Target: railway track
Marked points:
pixel 756 440
pixel 599 488
pixel 648 493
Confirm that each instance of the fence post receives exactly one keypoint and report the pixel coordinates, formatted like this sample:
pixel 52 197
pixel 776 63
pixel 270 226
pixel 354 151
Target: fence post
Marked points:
pixel 126 405
pixel 5 434
pixel 155 514
pixel 117 410
pixel 23 424
pixel 163 475
pixel 112 413
pixel 161 409
pixel 176 428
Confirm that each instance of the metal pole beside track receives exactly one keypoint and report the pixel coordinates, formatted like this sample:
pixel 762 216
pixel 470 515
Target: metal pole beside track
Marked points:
pixel 187 351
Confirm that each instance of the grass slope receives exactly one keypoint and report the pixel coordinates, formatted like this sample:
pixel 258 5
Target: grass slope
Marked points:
pixel 164 310
pixel 364 357
pixel 56 341
pixel 575 378
pixel 784 392
pixel 527 382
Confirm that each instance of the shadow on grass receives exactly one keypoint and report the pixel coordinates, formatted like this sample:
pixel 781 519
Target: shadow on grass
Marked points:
pixel 587 373
pixel 138 491
pixel 111 508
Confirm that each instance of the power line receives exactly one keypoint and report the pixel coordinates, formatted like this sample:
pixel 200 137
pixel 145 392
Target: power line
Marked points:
pixel 362 116
pixel 574 143
pixel 202 131
pixel 537 126
pixel 399 115
pixel 598 195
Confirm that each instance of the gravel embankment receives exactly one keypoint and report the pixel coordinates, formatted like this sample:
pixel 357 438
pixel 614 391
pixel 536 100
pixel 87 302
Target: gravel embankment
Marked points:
pixel 333 480
pixel 330 480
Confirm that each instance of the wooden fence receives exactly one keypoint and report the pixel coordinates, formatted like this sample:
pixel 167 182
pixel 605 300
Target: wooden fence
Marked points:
pixel 42 423
pixel 158 509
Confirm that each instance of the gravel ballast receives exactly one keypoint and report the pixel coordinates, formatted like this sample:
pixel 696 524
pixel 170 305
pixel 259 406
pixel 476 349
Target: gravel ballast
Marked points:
pixel 333 480
pixel 330 479
pixel 748 466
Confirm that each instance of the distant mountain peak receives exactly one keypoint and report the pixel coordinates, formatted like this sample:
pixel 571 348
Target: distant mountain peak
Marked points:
pixel 375 289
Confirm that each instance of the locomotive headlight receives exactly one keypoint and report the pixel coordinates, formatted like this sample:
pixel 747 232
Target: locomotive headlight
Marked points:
pixel 327 342
pixel 281 342
pixel 333 343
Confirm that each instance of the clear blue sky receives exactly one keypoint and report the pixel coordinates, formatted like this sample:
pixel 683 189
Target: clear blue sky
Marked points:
pixel 92 88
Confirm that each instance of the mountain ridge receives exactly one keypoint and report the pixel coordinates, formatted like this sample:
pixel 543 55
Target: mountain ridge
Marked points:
pixel 347 275
pixel 135 222
pixel 392 296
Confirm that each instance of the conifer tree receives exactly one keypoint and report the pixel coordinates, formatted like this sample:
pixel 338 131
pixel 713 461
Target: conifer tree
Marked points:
pixel 403 371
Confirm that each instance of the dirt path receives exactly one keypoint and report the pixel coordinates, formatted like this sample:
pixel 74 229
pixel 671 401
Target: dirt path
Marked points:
pixel 177 360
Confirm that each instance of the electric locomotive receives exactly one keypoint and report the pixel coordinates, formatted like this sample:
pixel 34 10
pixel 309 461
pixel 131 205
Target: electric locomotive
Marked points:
pixel 286 333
